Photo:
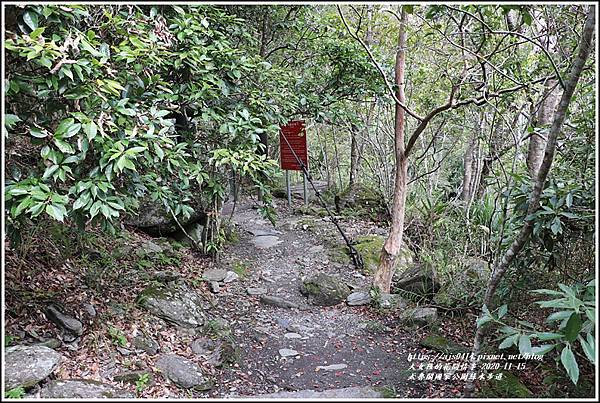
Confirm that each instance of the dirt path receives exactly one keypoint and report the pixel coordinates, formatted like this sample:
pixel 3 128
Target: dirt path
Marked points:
pixel 337 347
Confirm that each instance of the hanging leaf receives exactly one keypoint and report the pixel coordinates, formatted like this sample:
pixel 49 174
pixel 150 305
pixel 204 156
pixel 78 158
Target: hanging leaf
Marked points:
pixel 31 19
pixel 567 358
pixel 524 344
pixel 571 331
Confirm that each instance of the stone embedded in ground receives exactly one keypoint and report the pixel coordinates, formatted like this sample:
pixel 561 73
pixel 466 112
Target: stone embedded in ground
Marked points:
pixel 63 321
pixel 288 352
pixel 419 316
pixel 256 291
pixel 133 377
pixel 89 309
pixel 166 276
pixel 277 301
pixel 214 275
pixel 332 367
pixel 391 301
pixel 292 336
pixel 355 392
pixel 203 345
pixel 177 304
pixel 359 298
pixel 144 343
pixel 263 232
pixel 443 345
pixel 181 371
pixel 230 276
pixel 27 365
pixel 52 343
pixel 316 249
pixel 215 287
pixel 265 241
pixel 148 247
pixel 225 352
pixel 420 280
pixel 82 389
pixel 324 290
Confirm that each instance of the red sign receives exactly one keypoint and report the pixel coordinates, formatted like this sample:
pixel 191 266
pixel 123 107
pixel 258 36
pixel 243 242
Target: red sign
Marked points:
pixel 295 133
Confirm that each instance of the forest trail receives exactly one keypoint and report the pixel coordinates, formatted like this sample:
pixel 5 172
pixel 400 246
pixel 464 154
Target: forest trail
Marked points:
pixel 329 347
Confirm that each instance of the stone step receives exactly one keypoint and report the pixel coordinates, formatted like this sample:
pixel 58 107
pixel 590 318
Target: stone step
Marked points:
pixel 355 392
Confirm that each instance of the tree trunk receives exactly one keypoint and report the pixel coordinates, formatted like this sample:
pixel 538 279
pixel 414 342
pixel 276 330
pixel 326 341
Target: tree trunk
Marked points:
pixel 516 246
pixel 468 171
pixel 391 247
pixel 353 157
pixel 537 143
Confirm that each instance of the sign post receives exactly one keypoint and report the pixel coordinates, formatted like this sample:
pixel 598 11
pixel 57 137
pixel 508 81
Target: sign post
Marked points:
pixel 293 151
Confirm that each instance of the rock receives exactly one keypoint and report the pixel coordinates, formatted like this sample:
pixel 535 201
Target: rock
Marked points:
pixel 369 247
pixel 420 281
pixel 225 352
pixel 358 298
pixel 215 287
pixel 133 376
pixel 149 248
pixel 316 249
pixel 363 201
pixel 214 275
pixel 467 282
pixel 262 232
pixel 288 352
pixel 153 219
pixel 442 345
pixel 256 291
pixel 419 316
pixel 27 365
pixel 166 276
pixel 177 304
pixel 292 336
pixel 509 386
pixel 194 230
pixel 230 276
pixel 89 309
pixel 63 321
pixel 82 389
pixel 324 290
pixel 203 345
pixel 266 241
pixel 391 301
pixel 277 301
pixel 333 367
pixel 355 392
pixel 144 343
pixel 52 343
pixel 181 371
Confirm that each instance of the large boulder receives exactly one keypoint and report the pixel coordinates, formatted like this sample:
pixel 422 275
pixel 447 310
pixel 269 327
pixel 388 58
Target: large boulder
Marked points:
pixel 82 389
pixel 27 365
pixel 175 303
pixel 324 290
pixel 154 219
pixel 361 200
pixel 181 371
pixel 468 279
pixel 418 281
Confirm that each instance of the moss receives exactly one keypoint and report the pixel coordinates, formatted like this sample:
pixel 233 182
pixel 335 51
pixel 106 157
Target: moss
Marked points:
pixel 369 247
pixel 508 387
pixel 443 345
pixel 387 392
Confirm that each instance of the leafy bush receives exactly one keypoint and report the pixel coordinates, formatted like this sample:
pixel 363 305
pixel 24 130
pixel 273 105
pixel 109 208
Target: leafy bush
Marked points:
pixel 574 322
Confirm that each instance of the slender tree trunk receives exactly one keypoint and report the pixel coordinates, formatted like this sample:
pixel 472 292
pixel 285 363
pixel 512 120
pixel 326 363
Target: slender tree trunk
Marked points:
pixel 353 157
pixel 537 143
pixel 391 247
pixel 516 246
pixel 468 171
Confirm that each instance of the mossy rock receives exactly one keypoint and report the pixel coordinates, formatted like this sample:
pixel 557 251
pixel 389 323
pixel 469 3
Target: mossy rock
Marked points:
pixel 363 201
pixel 324 290
pixel 441 344
pixel 508 387
pixel 369 247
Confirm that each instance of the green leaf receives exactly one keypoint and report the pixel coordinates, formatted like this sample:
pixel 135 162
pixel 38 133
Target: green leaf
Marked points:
pixel 544 336
pixel 83 200
pixel 67 128
pixel 571 331
pixel 558 316
pixel 31 19
pixel 483 320
pixel 55 212
pixel 542 349
pixel 568 361
pixel 589 347
pixel 524 344
pixel 49 171
pixel 64 146
pixel 26 202
pixel 159 151
pixel 36 32
pixel 35 132
pixel 502 311
pixel 10 120
pixel 90 129
pixel 509 341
